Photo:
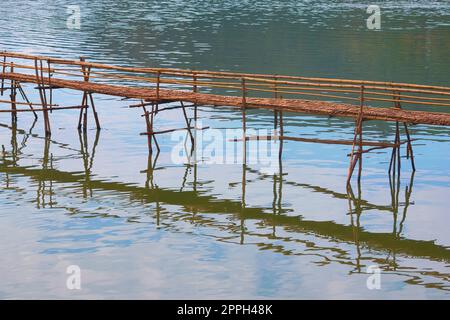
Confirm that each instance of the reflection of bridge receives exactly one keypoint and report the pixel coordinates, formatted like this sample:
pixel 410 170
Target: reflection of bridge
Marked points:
pixel 234 89
pixel 334 242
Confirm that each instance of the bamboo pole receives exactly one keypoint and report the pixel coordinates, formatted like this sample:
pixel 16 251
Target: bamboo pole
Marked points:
pixel 357 157
pixel 3 73
pixel 13 98
pixel 187 123
pixel 24 96
pixel 158 85
pixel 94 111
pixel 147 122
pixel 194 89
pixel 361 119
pixel 280 151
pixel 244 124
pixel 46 115
pixel 50 83
pixel 43 102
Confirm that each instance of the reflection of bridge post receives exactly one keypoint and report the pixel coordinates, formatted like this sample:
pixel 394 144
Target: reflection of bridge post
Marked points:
pixel 42 186
pixel 408 192
pixel 355 207
pixel 151 164
pixel 277 194
pixel 356 156
pixel 88 159
pixel 15 150
pixel 13 99
pixel 356 225
pixel 149 183
pixel 243 205
pixel 244 158
pixel 4 161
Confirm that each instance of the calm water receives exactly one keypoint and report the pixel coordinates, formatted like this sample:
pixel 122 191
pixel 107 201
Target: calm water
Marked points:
pixel 193 230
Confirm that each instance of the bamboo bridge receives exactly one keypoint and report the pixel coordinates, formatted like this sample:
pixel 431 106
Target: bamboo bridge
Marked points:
pixel 152 88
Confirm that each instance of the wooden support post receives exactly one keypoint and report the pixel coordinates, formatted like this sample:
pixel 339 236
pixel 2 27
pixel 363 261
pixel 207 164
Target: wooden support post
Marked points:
pixel 24 97
pixel 358 132
pixel 244 93
pixel 149 130
pixel 409 146
pixel 395 156
pixel 280 151
pixel 360 149
pixel 158 79
pixel 152 119
pixel 275 119
pixel 40 83
pixel 409 150
pixel 3 71
pixel 244 124
pixel 275 113
pixel 82 120
pixel 13 98
pixel 188 124
pixel 97 121
pixel 46 116
pixel 194 89
pixel 50 84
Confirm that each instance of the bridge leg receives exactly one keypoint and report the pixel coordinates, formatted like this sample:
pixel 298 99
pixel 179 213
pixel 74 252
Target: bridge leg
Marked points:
pixel 188 123
pixel 42 95
pixel 154 113
pixel 82 120
pixel 396 150
pixel 395 155
pixel 149 130
pixel 149 119
pixel 244 136
pixel 354 158
pixel 13 100
pixel 97 121
pixel 3 78
pixel 24 97
pixel 275 119
pixel 280 150
pixel 410 153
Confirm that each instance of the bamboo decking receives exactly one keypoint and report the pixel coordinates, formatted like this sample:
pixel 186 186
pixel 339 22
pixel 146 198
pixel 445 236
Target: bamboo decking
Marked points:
pixel 288 105
pixel 156 86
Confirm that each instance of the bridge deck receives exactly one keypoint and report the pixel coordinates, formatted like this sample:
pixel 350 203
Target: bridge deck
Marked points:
pixel 290 105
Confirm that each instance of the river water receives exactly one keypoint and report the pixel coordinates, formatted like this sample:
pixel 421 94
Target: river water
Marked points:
pixel 205 230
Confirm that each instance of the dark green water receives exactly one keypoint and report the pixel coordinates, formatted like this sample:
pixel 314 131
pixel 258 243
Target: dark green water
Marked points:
pixel 201 230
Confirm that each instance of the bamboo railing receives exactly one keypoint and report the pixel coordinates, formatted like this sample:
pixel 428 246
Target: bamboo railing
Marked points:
pixel 229 83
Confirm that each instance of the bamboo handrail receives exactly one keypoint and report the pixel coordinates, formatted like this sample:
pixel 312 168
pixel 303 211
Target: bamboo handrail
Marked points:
pixel 199 73
pixel 225 86
pixel 254 82
pixel 250 88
